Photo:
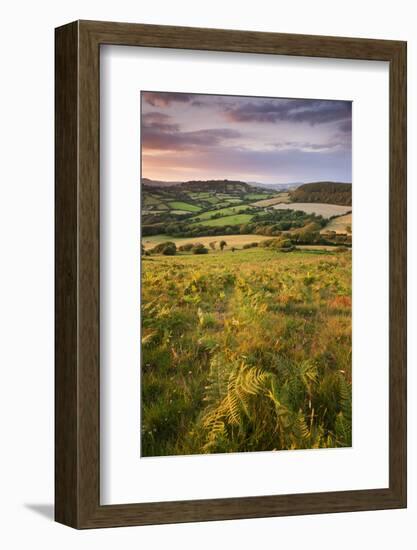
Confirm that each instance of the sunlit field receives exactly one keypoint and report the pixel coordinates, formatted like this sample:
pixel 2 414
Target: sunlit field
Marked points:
pixel 231 240
pixel 339 224
pixel 325 210
pixel 246 350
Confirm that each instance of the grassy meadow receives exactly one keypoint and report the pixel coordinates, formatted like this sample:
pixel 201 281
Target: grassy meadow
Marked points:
pixel 245 349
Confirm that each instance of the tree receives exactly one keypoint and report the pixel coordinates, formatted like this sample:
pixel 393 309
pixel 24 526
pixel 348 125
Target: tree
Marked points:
pixel 168 248
pixel 222 244
pixel 186 247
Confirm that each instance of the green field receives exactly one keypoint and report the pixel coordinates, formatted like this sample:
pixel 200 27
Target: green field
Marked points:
pixel 245 351
pixel 235 219
pixel 213 200
pixel 200 195
pixel 228 211
pixel 257 196
pixel 234 201
pixel 179 205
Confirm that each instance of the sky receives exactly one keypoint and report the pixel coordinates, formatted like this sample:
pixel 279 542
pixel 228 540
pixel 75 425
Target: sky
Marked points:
pixel 266 140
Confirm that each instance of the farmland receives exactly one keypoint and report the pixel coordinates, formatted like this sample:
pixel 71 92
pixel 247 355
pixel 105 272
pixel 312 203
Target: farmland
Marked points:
pixel 215 208
pixel 325 210
pixel 280 198
pixel 234 219
pixel 246 318
pixel 246 351
pixel 179 205
pixel 221 212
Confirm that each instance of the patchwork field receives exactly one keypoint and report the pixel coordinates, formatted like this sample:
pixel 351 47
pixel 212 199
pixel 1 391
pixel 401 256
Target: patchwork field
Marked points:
pixel 245 351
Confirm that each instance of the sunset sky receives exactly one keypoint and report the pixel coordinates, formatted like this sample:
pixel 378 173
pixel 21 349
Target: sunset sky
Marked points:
pixel 265 140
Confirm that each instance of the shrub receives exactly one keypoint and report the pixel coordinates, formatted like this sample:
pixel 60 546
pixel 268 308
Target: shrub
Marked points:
pixel 199 248
pixel 186 247
pixel 168 249
pixel 268 242
pixel 286 245
pixel 250 245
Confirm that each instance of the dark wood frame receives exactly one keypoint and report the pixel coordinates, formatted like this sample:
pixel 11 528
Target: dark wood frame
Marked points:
pixel 77 502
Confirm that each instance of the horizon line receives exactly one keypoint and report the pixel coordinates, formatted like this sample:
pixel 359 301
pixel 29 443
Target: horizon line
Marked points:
pixel 250 182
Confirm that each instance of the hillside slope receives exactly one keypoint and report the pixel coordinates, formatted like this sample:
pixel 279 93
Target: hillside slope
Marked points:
pixel 324 192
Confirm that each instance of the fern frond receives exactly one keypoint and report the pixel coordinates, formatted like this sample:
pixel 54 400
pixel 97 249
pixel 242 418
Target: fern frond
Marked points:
pixel 345 396
pixel 343 430
pixel 229 401
pixel 252 380
pixel 300 429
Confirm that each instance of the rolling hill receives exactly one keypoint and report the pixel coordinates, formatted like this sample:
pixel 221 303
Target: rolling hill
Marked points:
pixel 324 192
pixel 205 186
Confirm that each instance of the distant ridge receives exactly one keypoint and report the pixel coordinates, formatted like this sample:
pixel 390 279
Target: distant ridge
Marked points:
pixel 160 183
pixel 275 186
pixel 219 183
pixel 220 186
pixel 320 191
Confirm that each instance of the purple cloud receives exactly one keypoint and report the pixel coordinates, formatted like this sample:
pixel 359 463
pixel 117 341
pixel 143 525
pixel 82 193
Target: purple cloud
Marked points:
pixel 158 121
pixel 345 127
pixel 170 139
pixel 264 139
pixel 309 146
pixel 164 99
pixel 290 110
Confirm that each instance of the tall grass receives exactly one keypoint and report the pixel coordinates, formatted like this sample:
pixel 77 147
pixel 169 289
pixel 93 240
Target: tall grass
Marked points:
pixel 246 351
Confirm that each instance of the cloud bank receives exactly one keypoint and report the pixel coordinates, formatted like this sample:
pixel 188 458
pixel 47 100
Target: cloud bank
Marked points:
pixel 186 136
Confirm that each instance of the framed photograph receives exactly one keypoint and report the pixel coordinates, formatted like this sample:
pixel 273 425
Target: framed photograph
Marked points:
pixel 230 274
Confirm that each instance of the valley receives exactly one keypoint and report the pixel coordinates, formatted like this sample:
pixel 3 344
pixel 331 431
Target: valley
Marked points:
pixel 246 318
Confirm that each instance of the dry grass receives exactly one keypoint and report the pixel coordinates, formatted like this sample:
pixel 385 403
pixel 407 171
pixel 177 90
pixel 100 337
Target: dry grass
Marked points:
pixel 282 198
pixel 320 209
pixel 338 224
pixel 245 351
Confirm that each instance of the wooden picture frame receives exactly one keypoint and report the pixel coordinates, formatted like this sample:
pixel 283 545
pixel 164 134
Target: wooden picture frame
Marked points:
pixel 77 425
